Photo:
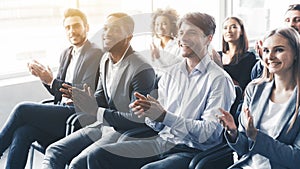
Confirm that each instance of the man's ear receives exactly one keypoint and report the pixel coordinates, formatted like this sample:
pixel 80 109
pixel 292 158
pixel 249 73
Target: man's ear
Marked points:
pixel 209 39
pixel 87 27
pixel 128 39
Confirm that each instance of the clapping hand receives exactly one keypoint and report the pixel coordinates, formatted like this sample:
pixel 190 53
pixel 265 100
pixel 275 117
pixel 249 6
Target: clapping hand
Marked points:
pixel 251 131
pixel 258 48
pixel 154 51
pixel 41 71
pixel 84 100
pixel 66 90
pixel 228 123
pixel 147 107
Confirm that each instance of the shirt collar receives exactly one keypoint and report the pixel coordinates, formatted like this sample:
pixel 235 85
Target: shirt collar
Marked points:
pixel 200 67
pixel 119 62
pixel 76 50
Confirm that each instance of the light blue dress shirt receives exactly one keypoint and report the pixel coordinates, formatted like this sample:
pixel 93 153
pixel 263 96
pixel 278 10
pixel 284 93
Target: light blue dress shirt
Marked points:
pixel 192 101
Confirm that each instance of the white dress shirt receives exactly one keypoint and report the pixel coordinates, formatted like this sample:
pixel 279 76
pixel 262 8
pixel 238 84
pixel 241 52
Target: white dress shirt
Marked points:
pixel 192 101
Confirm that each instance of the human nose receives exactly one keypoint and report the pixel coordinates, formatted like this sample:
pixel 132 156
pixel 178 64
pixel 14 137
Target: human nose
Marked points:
pixel 107 32
pixel 270 55
pixel 291 24
pixel 228 30
pixel 182 36
pixel 71 30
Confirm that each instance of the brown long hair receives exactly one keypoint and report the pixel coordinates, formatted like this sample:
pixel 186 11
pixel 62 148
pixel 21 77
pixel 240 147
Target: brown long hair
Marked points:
pixel 243 43
pixel 292 36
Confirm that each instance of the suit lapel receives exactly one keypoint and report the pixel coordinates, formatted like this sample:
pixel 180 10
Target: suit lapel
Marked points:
pixel 104 70
pixel 80 60
pixel 261 102
pixel 66 63
pixel 289 111
pixel 121 72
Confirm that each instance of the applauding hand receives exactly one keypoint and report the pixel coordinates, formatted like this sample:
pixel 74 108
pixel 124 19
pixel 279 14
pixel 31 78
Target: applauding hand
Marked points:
pixel 148 107
pixel 84 100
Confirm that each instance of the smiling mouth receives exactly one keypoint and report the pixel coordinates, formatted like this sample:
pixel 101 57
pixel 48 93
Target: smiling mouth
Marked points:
pixel 273 64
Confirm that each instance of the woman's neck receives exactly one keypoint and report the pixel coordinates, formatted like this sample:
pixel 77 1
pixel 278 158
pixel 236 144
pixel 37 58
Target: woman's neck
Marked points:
pixel 283 88
pixel 164 41
pixel 232 49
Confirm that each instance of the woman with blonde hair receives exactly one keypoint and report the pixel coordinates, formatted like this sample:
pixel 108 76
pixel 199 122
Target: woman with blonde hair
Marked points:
pixel 268 134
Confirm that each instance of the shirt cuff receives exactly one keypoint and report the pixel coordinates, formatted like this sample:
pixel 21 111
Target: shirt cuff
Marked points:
pixel 51 84
pixel 100 114
pixel 170 119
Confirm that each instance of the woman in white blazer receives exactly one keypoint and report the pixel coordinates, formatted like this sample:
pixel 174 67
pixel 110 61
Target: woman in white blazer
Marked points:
pixel 268 134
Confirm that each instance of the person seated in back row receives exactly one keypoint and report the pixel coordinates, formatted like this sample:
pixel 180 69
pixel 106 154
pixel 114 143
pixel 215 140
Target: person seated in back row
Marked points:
pixel 237 60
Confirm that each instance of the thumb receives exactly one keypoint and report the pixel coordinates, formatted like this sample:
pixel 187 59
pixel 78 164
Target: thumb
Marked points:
pixel 49 69
pixel 150 98
pixel 90 91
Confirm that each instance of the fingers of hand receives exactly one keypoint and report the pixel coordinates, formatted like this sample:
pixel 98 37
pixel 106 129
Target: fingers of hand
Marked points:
pixel 247 112
pixel 66 86
pixel 139 96
pixel 139 111
pixel 250 122
pixel 150 98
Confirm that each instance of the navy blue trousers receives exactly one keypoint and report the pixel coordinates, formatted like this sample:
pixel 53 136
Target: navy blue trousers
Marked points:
pixel 30 122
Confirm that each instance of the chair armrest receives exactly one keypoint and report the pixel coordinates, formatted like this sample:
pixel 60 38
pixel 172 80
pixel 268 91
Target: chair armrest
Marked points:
pixel 220 151
pixel 145 132
pixel 37 146
pixel 46 101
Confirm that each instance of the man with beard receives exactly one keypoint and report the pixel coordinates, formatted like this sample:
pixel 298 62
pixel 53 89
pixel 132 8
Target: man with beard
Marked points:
pixel 122 73
pixel 45 123
pixel 189 96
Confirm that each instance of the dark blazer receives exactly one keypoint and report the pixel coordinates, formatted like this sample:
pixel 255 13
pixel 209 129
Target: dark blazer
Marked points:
pixel 135 75
pixel 284 150
pixel 86 70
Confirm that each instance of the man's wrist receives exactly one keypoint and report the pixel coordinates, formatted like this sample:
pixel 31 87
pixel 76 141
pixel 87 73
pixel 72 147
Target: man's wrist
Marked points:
pixel 232 133
pixel 161 117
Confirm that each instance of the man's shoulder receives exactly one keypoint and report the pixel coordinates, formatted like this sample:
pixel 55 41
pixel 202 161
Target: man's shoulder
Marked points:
pixel 214 70
pixel 92 47
pixel 135 59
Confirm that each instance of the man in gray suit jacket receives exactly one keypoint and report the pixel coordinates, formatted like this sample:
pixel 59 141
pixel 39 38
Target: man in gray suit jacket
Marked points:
pixel 31 122
pixel 122 73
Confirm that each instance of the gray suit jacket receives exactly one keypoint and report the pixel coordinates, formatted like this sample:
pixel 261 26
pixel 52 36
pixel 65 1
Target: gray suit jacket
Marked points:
pixel 135 76
pixel 86 70
pixel 283 151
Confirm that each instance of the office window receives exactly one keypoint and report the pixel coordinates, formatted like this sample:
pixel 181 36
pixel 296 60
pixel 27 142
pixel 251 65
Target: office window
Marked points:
pixel 260 16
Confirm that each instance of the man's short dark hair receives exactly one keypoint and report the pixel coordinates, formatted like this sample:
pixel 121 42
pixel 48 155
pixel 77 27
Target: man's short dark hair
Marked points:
pixel 294 7
pixel 125 19
pixel 203 21
pixel 75 12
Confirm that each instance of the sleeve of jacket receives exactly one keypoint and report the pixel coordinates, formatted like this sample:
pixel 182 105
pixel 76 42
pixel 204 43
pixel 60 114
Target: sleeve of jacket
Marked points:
pixel 241 146
pixel 143 82
pixel 277 152
pixel 57 82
